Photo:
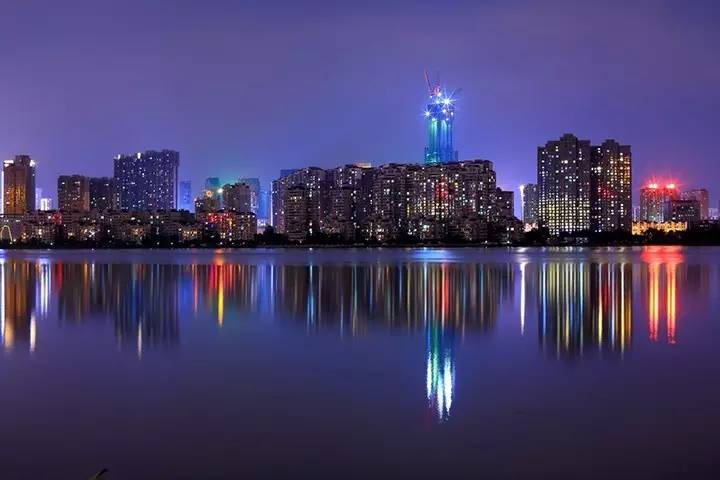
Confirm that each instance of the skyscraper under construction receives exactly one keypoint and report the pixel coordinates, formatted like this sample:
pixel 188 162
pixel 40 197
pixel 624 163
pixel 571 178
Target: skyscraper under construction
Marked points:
pixel 439 114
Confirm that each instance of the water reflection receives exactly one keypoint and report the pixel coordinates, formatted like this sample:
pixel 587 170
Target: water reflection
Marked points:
pixel 582 306
pixel 440 348
pixel 661 280
pixel 18 282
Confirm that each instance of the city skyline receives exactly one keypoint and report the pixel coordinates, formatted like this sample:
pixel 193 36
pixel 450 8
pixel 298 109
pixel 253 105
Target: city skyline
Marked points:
pixel 242 126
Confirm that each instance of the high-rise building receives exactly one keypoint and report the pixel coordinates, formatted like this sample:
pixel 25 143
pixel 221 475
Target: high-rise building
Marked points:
pixel 103 194
pixel 237 197
pixel 312 179
pixel 505 203
pixel 529 198
pixel 45 204
pixel 73 193
pixel 18 185
pixel 440 115
pixel 611 187
pixel 457 200
pixel 583 187
pixel 38 197
pixel 254 184
pixel 653 200
pixel 297 224
pixel 347 200
pixel 264 202
pixel 185 196
pixel 148 181
pixel 701 196
pixel 563 171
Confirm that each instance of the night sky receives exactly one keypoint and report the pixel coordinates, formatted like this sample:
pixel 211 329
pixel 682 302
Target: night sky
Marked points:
pixel 249 88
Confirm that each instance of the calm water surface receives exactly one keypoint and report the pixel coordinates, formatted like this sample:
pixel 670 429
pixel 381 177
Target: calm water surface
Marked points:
pixel 361 364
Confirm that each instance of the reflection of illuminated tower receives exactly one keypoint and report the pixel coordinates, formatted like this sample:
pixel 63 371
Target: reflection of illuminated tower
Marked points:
pixel 440 113
pixel 440 368
pixel 17 299
pixel 659 259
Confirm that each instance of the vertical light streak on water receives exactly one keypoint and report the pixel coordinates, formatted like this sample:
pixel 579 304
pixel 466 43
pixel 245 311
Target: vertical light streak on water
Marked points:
pixel 582 303
pixel 221 296
pixel 671 300
pixel 600 307
pixel 33 333
pixel 622 308
pixel 2 301
pixel 654 281
pixel 310 315
pixel 543 298
pixel 613 307
pixel 522 297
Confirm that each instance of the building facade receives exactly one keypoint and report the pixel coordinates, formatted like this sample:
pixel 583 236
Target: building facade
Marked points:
pixel 147 181
pixel 254 185
pixel 611 188
pixel 310 178
pixel 653 200
pixel 505 202
pixel 563 182
pixel 679 210
pixel 392 202
pixel 702 197
pixel 73 193
pixel 18 185
pixel 237 197
pixel 185 201
pixel 103 194
pixel 529 199
pixel 45 204
pixel 584 188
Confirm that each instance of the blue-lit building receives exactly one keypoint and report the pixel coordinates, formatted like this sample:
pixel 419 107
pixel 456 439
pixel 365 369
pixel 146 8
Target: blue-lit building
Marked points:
pixel 186 198
pixel 440 115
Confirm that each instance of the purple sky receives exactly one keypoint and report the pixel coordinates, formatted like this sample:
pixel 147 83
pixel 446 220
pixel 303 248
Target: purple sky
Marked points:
pixel 247 88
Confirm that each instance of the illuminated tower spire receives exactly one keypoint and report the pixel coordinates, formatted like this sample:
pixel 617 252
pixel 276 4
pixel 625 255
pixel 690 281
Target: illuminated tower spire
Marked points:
pixel 440 114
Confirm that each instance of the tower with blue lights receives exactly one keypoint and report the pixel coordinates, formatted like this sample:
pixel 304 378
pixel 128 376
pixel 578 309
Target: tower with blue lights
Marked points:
pixel 440 115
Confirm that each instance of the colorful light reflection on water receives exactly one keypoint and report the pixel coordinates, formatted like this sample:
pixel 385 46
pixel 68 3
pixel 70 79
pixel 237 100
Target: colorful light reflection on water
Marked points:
pixel 567 306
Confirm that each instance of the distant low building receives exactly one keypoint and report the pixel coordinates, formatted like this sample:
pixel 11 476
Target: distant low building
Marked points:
pixel 230 226
pixel 642 227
